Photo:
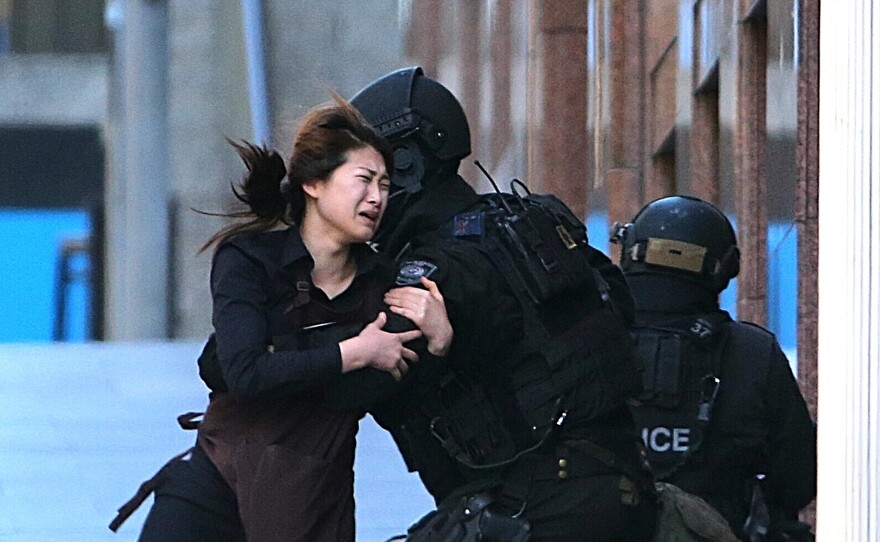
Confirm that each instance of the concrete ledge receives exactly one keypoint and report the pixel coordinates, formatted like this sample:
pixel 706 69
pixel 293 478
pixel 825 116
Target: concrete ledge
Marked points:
pixel 54 89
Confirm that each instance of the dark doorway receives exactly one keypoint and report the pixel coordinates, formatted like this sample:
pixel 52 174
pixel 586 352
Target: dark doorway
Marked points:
pixel 51 202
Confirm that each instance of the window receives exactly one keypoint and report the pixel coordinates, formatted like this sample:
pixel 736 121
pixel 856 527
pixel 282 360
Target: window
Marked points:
pixel 53 26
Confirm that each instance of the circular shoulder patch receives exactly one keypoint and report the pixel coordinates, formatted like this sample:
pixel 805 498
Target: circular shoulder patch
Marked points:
pixel 411 272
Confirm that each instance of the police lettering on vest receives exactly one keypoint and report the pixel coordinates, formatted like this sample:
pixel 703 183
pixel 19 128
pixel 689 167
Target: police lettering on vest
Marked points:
pixel 666 439
pixel 680 381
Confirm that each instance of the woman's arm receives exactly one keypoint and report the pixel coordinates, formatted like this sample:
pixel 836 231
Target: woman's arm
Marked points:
pixel 424 307
pixel 240 287
pixel 378 349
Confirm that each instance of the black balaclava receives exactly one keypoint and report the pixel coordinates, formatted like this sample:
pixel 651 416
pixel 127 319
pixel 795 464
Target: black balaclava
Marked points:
pixel 443 195
pixel 669 293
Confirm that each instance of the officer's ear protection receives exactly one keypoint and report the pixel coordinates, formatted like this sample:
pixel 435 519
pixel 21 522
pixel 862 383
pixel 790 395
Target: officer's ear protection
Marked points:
pixel 728 265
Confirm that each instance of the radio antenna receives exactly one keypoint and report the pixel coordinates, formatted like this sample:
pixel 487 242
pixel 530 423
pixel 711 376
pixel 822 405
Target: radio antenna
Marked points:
pixel 495 186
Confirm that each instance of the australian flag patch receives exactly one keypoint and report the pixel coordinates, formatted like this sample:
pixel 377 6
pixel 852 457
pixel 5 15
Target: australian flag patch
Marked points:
pixel 467 225
pixel 412 271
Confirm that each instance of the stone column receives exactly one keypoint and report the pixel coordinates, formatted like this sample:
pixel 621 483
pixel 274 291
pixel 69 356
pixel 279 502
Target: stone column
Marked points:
pixel 137 211
pixel 557 132
pixel 848 505
pixel 750 171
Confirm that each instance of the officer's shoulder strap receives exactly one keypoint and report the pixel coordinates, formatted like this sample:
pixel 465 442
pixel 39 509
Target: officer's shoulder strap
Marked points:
pixel 751 341
pixel 754 329
pixel 752 337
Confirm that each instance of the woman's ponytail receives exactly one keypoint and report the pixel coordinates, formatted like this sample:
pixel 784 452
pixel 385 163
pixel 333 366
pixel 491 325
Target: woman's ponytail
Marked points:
pixel 261 186
pixel 260 190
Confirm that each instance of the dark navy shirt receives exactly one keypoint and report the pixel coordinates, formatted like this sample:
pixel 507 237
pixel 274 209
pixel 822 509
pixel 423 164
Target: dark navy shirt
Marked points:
pixel 255 280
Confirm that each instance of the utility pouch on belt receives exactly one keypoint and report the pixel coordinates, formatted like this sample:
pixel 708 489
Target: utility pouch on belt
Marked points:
pixel 684 517
pixel 470 520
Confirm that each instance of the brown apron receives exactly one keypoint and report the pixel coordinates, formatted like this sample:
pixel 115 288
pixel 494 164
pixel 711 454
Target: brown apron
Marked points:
pixel 290 463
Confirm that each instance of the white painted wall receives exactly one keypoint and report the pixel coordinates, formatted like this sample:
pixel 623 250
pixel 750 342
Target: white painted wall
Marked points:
pixel 848 504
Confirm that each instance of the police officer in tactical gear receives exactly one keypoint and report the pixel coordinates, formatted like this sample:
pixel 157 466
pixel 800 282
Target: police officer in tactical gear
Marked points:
pixel 721 414
pixel 523 432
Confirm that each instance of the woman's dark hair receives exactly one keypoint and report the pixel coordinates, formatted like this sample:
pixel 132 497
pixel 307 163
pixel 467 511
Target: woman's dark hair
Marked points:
pixel 272 193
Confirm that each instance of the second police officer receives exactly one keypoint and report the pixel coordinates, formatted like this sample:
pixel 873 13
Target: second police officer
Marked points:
pixel 721 413
pixel 527 431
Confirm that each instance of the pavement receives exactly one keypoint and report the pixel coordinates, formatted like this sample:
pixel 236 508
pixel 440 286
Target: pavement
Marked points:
pixel 83 425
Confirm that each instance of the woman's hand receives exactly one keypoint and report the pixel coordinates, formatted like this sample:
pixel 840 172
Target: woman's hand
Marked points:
pixel 427 310
pixel 379 349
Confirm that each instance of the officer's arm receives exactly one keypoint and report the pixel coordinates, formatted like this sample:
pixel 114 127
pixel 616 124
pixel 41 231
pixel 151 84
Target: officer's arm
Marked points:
pixel 792 439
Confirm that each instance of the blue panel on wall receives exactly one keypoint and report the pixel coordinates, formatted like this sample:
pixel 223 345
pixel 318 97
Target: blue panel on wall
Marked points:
pixel 597 230
pixel 782 282
pixel 31 240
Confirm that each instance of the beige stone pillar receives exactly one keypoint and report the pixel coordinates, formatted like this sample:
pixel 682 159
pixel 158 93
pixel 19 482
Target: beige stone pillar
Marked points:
pixel 558 101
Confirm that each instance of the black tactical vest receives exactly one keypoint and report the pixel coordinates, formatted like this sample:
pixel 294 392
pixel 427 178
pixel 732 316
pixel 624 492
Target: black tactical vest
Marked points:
pixel 574 360
pixel 681 378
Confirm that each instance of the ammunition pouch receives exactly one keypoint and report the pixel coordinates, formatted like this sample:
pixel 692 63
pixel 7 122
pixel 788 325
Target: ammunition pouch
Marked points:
pixel 469 425
pixel 582 373
pixel 542 240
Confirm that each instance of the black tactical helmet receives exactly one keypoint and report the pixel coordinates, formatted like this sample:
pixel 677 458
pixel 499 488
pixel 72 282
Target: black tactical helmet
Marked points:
pixel 683 236
pixel 422 119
